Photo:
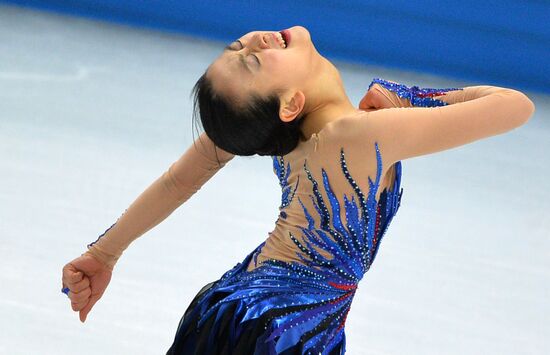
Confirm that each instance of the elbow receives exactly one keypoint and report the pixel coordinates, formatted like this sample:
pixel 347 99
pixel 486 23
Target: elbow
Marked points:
pixel 526 108
pixel 531 111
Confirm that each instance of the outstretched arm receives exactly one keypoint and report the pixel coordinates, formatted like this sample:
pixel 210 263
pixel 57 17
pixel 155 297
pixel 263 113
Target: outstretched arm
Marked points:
pixel 175 186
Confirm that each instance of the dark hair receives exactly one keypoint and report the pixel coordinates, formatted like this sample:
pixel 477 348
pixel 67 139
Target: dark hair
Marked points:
pixel 251 128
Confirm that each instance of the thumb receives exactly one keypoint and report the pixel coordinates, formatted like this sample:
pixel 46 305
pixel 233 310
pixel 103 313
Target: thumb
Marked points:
pixel 88 307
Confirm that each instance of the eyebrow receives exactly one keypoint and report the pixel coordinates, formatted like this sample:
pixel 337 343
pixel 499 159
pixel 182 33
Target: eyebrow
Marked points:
pixel 241 56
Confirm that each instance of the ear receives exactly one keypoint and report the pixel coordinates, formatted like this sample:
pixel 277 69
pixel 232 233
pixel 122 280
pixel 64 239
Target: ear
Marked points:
pixel 291 105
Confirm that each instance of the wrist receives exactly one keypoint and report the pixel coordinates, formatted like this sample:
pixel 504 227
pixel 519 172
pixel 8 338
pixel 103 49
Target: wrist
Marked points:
pixel 100 255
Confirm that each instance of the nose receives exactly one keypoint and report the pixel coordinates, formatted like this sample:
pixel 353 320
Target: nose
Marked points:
pixel 258 41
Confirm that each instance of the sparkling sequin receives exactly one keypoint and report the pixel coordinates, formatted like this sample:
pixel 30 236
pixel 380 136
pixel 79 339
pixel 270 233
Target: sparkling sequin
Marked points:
pixel 419 97
pixel 303 306
pixel 287 190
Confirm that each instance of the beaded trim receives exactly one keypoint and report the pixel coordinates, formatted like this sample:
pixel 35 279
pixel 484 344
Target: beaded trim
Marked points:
pixel 419 97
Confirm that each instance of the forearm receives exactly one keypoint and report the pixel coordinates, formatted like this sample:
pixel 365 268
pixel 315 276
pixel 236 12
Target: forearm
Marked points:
pixel 175 186
pixel 150 208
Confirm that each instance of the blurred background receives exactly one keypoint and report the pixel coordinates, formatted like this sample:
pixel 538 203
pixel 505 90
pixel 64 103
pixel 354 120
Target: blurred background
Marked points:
pixel 94 106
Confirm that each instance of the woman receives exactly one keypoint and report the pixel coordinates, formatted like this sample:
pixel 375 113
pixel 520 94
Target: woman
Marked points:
pixel 339 167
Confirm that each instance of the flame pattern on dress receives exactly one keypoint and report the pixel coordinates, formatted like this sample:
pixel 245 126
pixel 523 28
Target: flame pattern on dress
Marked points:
pixel 303 306
pixel 283 173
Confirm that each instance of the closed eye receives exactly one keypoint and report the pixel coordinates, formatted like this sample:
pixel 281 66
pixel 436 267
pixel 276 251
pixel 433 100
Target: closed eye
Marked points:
pixel 231 47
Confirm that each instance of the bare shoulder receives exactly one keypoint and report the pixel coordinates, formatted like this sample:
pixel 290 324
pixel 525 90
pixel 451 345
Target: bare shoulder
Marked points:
pixel 350 143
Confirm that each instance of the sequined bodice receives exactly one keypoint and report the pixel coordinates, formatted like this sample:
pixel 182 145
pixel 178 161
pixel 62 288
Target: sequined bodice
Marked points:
pixel 345 247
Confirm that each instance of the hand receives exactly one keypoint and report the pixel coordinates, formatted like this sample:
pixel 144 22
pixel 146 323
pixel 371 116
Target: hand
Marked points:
pixel 375 99
pixel 87 279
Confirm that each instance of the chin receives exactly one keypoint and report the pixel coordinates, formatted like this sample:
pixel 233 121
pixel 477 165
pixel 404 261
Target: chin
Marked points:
pixel 326 64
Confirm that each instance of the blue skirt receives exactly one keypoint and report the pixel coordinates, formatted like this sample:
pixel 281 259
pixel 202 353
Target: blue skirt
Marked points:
pixel 279 308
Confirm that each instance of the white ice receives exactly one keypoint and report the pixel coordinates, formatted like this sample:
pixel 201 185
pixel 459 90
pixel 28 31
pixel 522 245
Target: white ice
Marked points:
pixel 91 113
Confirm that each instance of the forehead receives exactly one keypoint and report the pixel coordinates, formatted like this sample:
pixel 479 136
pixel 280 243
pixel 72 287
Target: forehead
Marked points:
pixel 227 73
pixel 227 78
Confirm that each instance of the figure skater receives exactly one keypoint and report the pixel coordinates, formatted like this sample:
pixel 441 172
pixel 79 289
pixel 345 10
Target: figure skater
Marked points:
pixel 339 167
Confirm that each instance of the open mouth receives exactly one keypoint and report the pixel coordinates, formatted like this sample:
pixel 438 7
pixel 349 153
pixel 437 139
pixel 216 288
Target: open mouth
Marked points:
pixel 286 37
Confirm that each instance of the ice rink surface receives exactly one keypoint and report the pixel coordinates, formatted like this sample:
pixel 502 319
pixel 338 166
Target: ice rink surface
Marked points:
pixel 91 113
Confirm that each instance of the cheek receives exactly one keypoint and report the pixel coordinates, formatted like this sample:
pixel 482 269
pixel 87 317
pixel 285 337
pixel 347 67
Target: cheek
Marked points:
pixel 286 63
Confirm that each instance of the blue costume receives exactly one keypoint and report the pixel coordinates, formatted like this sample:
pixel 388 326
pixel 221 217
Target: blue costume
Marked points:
pixel 301 307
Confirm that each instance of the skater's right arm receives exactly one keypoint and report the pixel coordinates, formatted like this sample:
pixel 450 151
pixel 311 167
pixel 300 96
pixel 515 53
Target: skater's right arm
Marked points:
pixel 175 186
pixel 88 276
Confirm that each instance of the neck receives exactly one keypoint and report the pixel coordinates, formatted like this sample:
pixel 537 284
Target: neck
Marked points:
pixel 331 106
pixel 326 112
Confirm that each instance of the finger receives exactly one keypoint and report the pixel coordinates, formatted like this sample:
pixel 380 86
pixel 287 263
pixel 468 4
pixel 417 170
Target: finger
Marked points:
pixel 81 285
pixel 76 277
pixel 88 307
pixel 77 306
pixel 79 297
pixel 68 270
pixel 71 275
